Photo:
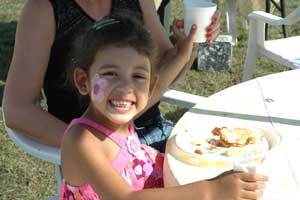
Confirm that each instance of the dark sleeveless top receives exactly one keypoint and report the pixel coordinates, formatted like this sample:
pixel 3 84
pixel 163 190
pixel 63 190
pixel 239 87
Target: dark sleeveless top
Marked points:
pixel 63 102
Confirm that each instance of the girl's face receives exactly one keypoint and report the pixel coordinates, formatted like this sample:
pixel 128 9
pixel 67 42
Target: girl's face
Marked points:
pixel 119 82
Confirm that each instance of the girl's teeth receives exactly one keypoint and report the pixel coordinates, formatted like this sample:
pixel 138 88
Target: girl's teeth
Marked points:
pixel 121 103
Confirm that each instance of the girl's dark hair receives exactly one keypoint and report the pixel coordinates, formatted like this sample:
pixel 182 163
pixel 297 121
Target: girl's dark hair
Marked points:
pixel 115 30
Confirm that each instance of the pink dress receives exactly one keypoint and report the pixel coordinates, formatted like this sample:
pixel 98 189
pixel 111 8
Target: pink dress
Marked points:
pixel 140 165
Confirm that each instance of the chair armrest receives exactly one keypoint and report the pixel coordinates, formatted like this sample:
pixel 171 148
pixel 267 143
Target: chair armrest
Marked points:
pixel 41 151
pixel 182 98
pixel 275 20
pixel 266 17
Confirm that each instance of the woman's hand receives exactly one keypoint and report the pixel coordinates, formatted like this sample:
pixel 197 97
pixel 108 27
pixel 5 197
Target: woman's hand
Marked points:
pixel 238 186
pixel 212 31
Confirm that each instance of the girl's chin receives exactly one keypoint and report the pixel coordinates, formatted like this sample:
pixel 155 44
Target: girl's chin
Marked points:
pixel 121 119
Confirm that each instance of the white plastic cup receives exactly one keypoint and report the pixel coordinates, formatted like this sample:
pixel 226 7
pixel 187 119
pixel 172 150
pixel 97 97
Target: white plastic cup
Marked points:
pixel 248 164
pixel 198 12
pixel 244 166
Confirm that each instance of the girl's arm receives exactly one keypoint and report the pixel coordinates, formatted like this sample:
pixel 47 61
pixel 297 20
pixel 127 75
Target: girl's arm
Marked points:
pixel 87 158
pixel 166 51
pixel 34 38
pixel 174 61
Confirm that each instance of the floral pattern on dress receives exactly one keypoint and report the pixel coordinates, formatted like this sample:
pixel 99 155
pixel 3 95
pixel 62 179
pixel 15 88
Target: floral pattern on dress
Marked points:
pixel 143 171
pixel 133 145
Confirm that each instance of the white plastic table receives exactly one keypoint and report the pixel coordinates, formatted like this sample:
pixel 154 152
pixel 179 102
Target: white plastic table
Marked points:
pixel 272 102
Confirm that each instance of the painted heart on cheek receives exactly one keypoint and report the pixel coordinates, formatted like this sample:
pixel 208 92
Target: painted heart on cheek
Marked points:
pixel 96 89
pixel 98 85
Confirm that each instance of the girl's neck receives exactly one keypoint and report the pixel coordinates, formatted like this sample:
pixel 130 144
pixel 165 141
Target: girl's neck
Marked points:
pixel 96 9
pixel 121 129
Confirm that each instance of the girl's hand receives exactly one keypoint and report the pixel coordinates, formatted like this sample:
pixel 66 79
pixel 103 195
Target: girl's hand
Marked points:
pixel 239 186
pixel 184 43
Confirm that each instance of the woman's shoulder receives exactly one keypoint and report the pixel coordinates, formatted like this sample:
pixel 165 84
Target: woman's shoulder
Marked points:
pixel 147 2
pixel 38 10
pixel 39 5
pixel 36 23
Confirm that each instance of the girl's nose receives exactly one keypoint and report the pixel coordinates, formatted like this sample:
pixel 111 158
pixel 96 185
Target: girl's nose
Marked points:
pixel 125 86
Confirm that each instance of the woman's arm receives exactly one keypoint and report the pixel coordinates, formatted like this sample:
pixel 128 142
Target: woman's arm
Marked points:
pixel 153 24
pixel 33 42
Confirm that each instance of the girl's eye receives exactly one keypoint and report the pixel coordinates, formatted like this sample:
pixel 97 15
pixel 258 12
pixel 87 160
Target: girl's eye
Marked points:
pixel 139 76
pixel 109 74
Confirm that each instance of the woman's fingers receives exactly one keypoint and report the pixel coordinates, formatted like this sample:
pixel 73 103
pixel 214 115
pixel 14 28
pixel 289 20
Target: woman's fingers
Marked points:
pixel 215 22
pixel 179 23
pixel 213 30
pixel 213 34
pixel 177 31
pixel 216 17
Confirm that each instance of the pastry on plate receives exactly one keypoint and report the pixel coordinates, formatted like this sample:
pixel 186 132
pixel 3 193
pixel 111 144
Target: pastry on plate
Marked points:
pixel 221 146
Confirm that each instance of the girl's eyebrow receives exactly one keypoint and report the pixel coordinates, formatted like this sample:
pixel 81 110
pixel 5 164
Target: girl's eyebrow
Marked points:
pixel 142 67
pixel 110 66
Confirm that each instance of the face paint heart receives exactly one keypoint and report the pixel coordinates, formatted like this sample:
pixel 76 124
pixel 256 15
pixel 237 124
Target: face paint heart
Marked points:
pixel 98 85
pixel 96 89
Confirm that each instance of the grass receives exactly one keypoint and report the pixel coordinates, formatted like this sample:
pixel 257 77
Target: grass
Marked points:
pixel 24 177
pixel 21 175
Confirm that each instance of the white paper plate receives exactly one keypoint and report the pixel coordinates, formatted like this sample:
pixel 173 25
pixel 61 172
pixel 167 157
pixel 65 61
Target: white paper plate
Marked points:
pixel 185 152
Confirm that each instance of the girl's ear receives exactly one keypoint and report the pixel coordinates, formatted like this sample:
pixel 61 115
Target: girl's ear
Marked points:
pixel 153 85
pixel 81 81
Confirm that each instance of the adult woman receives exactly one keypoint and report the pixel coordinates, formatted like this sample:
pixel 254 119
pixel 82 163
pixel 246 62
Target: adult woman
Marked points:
pixel 44 35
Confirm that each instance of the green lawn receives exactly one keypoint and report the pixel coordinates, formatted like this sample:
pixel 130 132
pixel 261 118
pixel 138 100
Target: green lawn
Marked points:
pixel 24 177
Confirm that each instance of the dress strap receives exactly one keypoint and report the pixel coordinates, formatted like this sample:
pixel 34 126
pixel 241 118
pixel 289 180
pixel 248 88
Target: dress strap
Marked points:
pixel 118 139
pixel 123 157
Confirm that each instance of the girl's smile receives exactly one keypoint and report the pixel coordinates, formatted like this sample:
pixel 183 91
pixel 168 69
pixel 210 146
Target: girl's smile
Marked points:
pixel 120 83
pixel 121 105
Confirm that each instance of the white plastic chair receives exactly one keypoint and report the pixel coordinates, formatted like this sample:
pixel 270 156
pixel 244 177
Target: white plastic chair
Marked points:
pixel 285 51
pixel 231 10
pixel 43 152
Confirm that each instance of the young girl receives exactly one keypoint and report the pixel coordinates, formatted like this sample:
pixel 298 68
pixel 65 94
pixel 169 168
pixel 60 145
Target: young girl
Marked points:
pixel 102 158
